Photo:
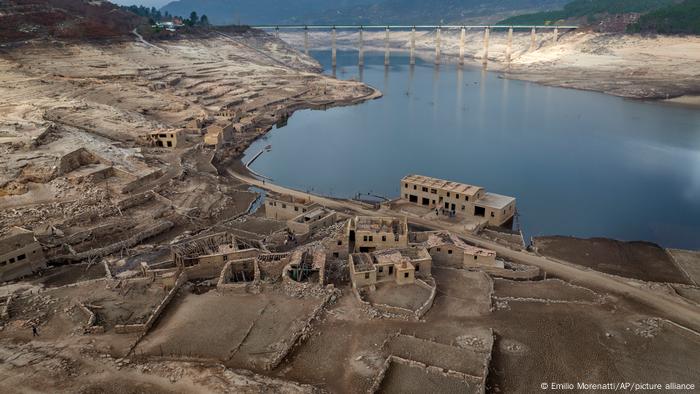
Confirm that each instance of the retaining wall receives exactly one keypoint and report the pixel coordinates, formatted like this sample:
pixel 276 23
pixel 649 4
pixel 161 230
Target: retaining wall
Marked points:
pixel 300 336
pixel 115 247
pixel 136 199
pixel 89 326
pixel 142 181
pixel 143 328
pixel 429 302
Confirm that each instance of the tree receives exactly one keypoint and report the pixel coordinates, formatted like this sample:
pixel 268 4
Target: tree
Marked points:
pixel 204 20
pixel 194 19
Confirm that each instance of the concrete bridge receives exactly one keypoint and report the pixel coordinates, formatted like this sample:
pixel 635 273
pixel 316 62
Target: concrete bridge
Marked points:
pixel 437 28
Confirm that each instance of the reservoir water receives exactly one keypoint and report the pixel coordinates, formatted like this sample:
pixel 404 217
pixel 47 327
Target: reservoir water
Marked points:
pixel 579 163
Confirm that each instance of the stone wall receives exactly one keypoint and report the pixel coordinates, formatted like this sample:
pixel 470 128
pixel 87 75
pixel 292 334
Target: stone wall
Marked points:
pixel 135 200
pixel 429 302
pixel 300 335
pixel 89 327
pixel 115 247
pixel 76 159
pixel 5 311
pixel 142 181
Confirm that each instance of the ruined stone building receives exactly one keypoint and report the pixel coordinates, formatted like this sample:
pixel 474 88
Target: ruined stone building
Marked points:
pixel 307 265
pixel 217 135
pixel 214 248
pixel 368 233
pixel 400 266
pixel 459 199
pixel 447 249
pixel 286 207
pixel 20 254
pixel 312 220
pixel 78 158
pixel 166 138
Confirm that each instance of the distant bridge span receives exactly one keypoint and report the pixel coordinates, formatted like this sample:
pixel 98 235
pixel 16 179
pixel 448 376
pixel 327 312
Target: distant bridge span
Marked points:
pixel 438 28
pixel 398 27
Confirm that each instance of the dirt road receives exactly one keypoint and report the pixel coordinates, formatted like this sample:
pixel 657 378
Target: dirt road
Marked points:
pixel 668 306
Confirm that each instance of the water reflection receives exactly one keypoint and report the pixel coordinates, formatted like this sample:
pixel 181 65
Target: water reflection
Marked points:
pixel 580 163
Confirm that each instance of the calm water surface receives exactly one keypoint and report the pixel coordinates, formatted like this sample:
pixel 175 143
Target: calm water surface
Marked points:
pixel 579 163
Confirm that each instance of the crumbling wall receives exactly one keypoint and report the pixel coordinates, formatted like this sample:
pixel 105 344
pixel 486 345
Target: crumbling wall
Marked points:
pixel 143 328
pixel 225 285
pixel 383 308
pixel 430 369
pixel 513 240
pixel 205 271
pixel 135 200
pixel 89 327
pixel 76 159
pixel 142 181
pixel 429 302
pixel 5 311
pixel 115 247
pixel 524 273
pixel 302 334
pixel 272 265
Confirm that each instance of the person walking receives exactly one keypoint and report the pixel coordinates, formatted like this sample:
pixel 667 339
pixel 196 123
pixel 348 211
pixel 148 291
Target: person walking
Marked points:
pixel 35 331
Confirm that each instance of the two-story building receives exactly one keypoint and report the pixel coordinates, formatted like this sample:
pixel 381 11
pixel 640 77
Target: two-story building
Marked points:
pixel 166 138
pixel 400 266
pixel 217 135
pixel 458 199
pixel 369 233
pixel 286 207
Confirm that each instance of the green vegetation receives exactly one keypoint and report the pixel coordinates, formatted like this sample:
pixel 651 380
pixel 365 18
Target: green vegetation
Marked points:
pixel 152 13
pixel 155 16
pixel 683 18
pixel 588 9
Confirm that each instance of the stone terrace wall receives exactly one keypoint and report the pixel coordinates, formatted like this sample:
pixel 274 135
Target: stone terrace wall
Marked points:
pixel 142 181
pixel 115 247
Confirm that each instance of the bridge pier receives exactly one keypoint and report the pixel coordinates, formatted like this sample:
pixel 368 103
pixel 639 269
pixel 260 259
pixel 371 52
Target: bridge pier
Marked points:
pixel 556 34
pixel 533 38
pixel 437 45
pixel 412 60
pixel 361 51
pixel 509 48
pixel 306 41
pixel 386 48
pixel 485 58
pixel 462 36
pixel 333 48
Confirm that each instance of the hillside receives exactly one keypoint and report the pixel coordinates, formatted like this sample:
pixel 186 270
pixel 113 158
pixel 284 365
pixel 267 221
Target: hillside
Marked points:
pixel 681 18
pixel 357 11
pixel 26 19
pixel 588 11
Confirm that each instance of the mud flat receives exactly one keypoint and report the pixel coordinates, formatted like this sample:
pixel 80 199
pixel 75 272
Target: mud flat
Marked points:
pixel 638 260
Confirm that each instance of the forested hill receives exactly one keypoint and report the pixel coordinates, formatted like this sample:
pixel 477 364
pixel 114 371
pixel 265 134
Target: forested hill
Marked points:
pixel 358 11
pixel 681 18
pixel 662 16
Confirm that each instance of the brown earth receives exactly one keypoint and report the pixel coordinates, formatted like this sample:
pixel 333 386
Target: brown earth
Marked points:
pixel 25 19
pixel 550 289
pixel 638 260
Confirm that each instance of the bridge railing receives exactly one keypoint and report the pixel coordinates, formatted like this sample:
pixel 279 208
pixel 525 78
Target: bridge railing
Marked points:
pixel 396 27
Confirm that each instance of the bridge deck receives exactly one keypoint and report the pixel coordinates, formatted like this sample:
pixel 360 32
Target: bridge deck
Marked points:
pixel 328 27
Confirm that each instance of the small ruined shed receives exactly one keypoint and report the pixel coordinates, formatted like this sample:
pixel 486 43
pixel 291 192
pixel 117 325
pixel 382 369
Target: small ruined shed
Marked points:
pixel 307 265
